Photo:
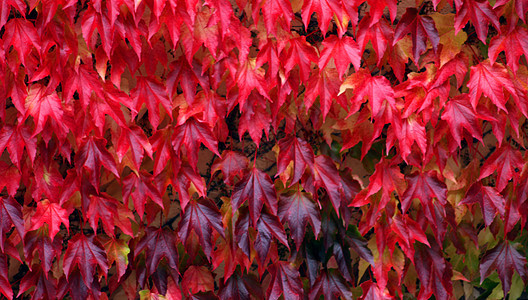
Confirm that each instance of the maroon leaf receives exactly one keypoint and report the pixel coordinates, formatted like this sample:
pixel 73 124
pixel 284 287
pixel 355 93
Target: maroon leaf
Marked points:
pixel 505 259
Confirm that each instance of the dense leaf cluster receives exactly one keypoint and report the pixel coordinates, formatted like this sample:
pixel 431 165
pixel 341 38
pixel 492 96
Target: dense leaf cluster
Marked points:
pixel 263 149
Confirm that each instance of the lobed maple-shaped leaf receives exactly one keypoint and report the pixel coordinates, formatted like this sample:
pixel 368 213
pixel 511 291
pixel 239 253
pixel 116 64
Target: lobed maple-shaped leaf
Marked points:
pixel 425 187
pixel 11 178
pixel 460 115
pixel 421 28
pixel 158 243
pixel 231 164
pixel 489 198
pixel 257 188
pixel 387 178
pixel 107 209
pixel 299 209
pixel 378 89
pixel 133 140
pixel 324 87
pixel 52 214
pixel 272 10
pixel 202 216
pixel 505 161
pixel 285 280
pixel 117 251
pixel 22 35
pixel 254 118
pixel 298 151
pixel 505 259
pixel 15 139
pixel 86 253
pixel 39 242
pixel 139 188
pixel 241 287
pixel 186 180
pixel 152 93
pixel 299 53
pixel 330 285
pixel 44 287
pixel 490 79
pixel 44 105
pixel 162 149
pixel 197 279
pixel 514 43
pixel 268 225
pixel 433 271
pixel 479 12
pixel 10 215
pixel 325 10
pixel 324 174
pixel 377 9
pixel 379 34
pixel 92 155
pixel 191 134
pixel 407 231
pixel 344 50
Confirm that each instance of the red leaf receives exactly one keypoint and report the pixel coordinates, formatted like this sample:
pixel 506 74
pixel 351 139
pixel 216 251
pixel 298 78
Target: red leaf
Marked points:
pixel 191 134
pixel 285 280
pixel 489 198
pixel 5 286
pixel 460 115
pixel 298 151
pixel 186 179
pixel 15 138
pixel 105 208
pixel 425 187
pixel 92 155
pixel 39 242
pixel 45 288
pixel 379 34
pixel 330 285
pixel 505 161
pixel 87 253
pixel 158 243
pixel 434 272
pixel 490 80
pixel 326 176
pixel 44 105
pixel 387 178
pixel 241 288
pixel 134 141
pixel 267 226
pixel 140 187
pixel 23 36
pixel 479 12
pixel 257 188
pixel 52 214
pixel 11 178
pixel 344 50
pixel 255 118
pixel 505 259
pixel 324 86
pixel 299 209
pixel 514 44
pixel 231 164
pixel 10 215
pixel 378 90
pixel 421 28
pixel 201 216
pixel 152 93
pixel 325 10
pixel 300 53
pixel 197 279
